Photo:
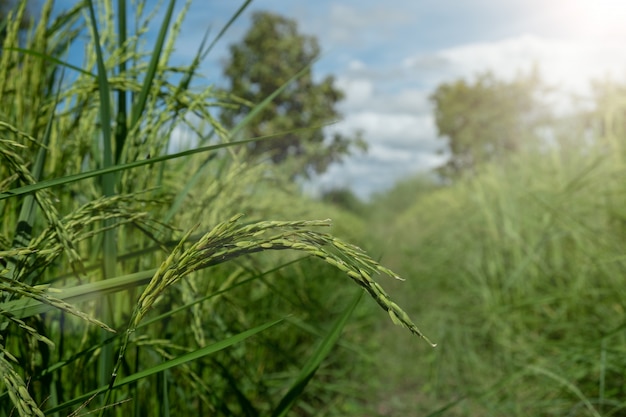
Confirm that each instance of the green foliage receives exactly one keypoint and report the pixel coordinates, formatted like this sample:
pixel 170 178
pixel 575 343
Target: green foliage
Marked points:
pixel 386 206
pixel 344 198
pixel 488 119
pixel 130 282
pixel 268 56
pixel 522 266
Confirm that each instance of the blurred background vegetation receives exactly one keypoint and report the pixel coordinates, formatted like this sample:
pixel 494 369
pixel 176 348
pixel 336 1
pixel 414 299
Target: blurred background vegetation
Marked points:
pixel 513 251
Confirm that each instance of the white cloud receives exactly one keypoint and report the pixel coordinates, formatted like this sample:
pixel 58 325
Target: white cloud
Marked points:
pixel 393 130
pixel 566 64
pixel 389 155
pixel 378 170
pixel 407 100
pixel 357 91
pixel 356 65
pixel 361 95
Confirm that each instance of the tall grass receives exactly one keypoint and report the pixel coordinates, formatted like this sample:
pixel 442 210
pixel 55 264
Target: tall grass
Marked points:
pixel 523 266
pixel 127 276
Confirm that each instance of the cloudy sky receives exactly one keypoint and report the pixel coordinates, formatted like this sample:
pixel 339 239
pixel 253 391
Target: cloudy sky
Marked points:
pixel 390 56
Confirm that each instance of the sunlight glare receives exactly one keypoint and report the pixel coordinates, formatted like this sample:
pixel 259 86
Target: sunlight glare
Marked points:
pixel 594 18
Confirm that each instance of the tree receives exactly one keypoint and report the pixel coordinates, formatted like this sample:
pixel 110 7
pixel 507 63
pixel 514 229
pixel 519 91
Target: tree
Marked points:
pixel 488 118
pixel 344 198
pixel 272 52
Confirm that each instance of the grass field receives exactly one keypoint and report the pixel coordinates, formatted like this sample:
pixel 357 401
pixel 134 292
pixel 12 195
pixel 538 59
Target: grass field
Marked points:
pixel 518 275
pixel 137 281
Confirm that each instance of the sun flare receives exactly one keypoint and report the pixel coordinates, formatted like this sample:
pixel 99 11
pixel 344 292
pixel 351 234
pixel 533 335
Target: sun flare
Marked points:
pixel 593 18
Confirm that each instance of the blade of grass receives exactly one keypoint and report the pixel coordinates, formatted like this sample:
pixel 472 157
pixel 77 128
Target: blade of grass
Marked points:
pixel 73 295
pixel 180 197
pixel 105 364
pixel 247 408
pixel 108 182
pixel 202 53
pixel 226 26
pixel 121 130
pixel 66 18
pixel 135 164
pixel 314 362
pixel 140 104
pixel 566 384
pixel 197 354
pixel 25 308
pixel 53 60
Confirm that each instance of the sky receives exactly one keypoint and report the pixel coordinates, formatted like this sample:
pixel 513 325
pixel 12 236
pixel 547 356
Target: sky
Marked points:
pixel 388 57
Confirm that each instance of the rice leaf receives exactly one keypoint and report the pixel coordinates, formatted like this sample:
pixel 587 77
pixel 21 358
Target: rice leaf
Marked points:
pixel 310 368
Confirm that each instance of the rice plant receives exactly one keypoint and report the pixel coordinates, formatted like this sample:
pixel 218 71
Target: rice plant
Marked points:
pixel 127 270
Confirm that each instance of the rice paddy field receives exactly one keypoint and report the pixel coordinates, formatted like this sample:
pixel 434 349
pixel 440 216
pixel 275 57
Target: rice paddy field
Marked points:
pixel 137 280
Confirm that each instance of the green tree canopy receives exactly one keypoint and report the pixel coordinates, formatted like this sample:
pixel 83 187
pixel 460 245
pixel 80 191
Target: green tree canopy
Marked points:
pixel 488 118
pixel 271 52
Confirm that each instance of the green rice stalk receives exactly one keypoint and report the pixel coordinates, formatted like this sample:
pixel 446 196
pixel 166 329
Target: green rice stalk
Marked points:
pixel 28 329
pixel 18 392
pixel 45 202
pixel 226 241
pixel 43 295
pixel 7 59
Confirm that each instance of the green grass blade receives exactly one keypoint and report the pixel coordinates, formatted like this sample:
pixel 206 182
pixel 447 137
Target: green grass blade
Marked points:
pixel 180 198
pixel 226 26
pixel 567 384
pixel 121 128
pixel 23 308
pixel 135 164
pixel 309 369
pixel 105 364
pixel 197 354
pixel 53 60
pixel 247 408
pixel 142 98
pixel 66 18
pixel 106 121
pixel 148 322
pixel 105 103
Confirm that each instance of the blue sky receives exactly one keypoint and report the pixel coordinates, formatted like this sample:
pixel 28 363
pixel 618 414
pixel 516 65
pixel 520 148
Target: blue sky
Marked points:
pixel 390 56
